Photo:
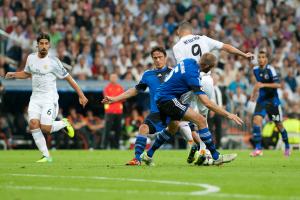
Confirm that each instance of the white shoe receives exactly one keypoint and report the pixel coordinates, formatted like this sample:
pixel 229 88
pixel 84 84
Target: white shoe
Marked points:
pixel 148 160
pixel 226 158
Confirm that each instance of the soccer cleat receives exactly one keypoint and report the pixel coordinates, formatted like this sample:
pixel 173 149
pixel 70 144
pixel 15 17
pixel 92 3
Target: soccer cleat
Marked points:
pixel 256 153
pixel 133 162
pixel 192 152
pixel 45 159
pixel 287 152
pixel 69 129
pixel 201 157
pixel 226 158
pixel 148 160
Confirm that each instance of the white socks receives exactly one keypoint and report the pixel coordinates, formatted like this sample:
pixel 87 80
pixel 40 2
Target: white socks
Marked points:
pixel 186 131
pixel 40 141
pixel 57 125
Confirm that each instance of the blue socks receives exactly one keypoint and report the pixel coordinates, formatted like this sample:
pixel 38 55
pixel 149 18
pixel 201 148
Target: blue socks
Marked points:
pixel 257 137
pixel 139 146
pixel 206 137
pixel 161 138
pixel 285 138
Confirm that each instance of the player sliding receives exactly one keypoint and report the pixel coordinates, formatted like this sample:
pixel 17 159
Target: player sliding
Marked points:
pixel 266 103
pixel 152 79
pixel 193 46
pixel 43 105
pixel 183 78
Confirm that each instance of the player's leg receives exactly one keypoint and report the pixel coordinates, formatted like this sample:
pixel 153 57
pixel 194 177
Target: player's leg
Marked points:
pixel 48 125
pixel 140 144
pixel 275 113
pixel 203 131
pixel 161 137
pixel 186 132
pixel 34 112
pixel 171 109
pixel 259 114
pixel 257 138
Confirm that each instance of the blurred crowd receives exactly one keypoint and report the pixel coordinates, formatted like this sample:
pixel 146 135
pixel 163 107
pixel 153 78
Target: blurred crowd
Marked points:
pixel 100 37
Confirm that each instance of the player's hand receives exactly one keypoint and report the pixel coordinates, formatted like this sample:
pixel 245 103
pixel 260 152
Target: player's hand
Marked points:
pixel 258 85
pixel 250 56
pixel 235 118
pixel 10 75
pixel 108 100
pixel 83 100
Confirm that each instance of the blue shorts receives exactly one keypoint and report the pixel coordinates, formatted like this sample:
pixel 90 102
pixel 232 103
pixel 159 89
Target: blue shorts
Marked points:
pixel 171 109
pixel 274 111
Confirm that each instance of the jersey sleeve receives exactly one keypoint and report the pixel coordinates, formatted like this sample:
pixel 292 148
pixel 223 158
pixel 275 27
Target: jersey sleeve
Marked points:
pixel 142 85
pixel 192 78
pixel 274 75
pixel 27 68
pixel 213 44
pixel 176 54
pixel 59 69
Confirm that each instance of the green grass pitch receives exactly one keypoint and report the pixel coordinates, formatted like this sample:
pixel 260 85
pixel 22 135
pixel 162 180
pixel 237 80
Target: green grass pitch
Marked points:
pixel 103 175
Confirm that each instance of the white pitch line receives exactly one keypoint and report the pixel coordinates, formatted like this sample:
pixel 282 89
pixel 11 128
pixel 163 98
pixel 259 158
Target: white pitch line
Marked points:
pixel 208 189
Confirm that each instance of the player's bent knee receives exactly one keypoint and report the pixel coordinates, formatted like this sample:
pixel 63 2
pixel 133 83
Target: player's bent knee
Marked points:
pixel 144 129
pixel 34 124
pixel 46 129
pixel 257 121
pixel 279 125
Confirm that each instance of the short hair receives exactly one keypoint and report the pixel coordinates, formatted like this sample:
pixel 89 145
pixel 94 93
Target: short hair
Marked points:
pixel 207 59
pixel 43 36
pixel 262 51
pixel 185 26
pixel 159 49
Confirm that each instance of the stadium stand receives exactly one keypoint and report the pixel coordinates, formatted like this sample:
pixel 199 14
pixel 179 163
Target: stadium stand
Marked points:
pixel 97 37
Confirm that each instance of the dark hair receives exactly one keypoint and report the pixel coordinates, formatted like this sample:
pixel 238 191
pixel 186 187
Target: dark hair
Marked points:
pixel 159 49
pixel 263 52
pixel 185 26
pixel 43 36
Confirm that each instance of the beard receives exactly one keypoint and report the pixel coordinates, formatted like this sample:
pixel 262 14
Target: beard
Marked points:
pixel 43 52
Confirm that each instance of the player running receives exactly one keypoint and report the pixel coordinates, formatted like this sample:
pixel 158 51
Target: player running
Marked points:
pixel 184 77
pixel 152 79
pixel 266 103
pixel 43 105
pixel 194 46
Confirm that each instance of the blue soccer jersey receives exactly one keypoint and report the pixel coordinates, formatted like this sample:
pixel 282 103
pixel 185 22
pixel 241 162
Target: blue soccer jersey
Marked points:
pixel 184 77
pixel 267 75
pixel 152 79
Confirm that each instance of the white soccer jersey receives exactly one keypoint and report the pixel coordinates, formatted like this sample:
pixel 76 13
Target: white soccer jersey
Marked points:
pixel 193 46
pixel 44 72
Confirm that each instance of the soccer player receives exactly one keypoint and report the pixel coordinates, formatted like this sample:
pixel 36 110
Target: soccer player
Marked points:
pixel 151 79
pixel 43 105
pixel 184 77
pixel 194 46
pixel 266 103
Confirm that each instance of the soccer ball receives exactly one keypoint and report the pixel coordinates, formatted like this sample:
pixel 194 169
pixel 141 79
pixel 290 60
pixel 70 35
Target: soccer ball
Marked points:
pixel 208 160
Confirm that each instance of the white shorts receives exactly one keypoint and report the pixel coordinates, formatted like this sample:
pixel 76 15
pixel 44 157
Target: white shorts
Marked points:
pixel 44 111
pixel 192 99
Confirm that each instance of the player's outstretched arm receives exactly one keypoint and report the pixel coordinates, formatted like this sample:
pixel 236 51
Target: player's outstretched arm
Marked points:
pixel 231 49
pixel 82 99
pixel 125 95
pixel 17 75
pixel 217 109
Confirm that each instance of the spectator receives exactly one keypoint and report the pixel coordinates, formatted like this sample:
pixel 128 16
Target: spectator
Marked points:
pixel 239 101
pixel 81 71
pixel 290 80
pixel 95 127
pixel 79 124
pixel 113 115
